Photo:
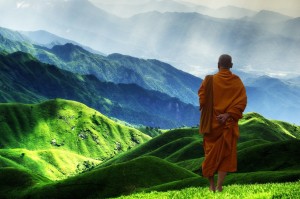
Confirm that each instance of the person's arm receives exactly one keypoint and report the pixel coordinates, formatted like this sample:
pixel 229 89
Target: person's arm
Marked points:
pixel 201 94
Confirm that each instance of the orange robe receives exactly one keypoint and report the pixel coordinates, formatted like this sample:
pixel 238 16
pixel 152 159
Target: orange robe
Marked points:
pixel 220 144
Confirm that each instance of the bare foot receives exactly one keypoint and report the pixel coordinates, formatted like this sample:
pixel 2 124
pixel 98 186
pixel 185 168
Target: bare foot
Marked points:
pixel 213 189
pixel 219 188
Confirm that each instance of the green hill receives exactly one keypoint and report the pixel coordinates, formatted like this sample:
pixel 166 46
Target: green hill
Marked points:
pixel 115 180
pixel 254 126
pixel 184 146
pixel 56 136
pixel 170 161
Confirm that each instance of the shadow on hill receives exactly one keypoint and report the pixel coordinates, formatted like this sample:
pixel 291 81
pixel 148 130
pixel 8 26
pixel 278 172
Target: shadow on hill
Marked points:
pixel 119 179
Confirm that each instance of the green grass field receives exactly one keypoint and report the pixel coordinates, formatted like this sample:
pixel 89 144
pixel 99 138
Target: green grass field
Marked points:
pixel 254 191
pixel 62 149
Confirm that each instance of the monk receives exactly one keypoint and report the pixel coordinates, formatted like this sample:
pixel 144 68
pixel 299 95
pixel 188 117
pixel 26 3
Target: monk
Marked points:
pixel 223 99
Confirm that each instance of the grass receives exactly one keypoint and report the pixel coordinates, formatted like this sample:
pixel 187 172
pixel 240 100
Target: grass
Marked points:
pixel 39 145
pixel 270 157
pixel 115 180
pixel 54 164
pixel 259 191
pixel 254 126
pixel 257 136
pixel 58 135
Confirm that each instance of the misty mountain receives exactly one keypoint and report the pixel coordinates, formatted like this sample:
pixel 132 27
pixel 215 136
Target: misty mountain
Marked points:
pixel 44 38
pixel 161 76
pixel 117 68
pixel 275 98
pixel 25 79
pixel 189 41
pixel 290 28
pixel 269 17
pixel 129 9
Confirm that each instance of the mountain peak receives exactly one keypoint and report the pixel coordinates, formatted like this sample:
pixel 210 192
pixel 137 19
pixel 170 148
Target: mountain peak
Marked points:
pixel 68 51
pixel 266 16
pixel 21 56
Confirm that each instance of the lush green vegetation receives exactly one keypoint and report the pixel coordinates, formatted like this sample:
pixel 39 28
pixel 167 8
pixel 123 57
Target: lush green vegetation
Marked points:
pixel 58 138
pixel 268 190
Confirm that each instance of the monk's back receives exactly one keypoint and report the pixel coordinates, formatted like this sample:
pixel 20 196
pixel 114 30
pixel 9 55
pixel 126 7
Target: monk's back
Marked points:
pixel 227 88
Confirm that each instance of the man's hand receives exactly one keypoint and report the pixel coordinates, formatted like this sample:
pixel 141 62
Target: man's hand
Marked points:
pixel 223 117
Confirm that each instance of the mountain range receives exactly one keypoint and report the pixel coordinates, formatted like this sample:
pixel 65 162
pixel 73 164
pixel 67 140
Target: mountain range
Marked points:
pixel 129 8
pixel 149 74
pixel 189 41
pixel 274 98
pixel 25 79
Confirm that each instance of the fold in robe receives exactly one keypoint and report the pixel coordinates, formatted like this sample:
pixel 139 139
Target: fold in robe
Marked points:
pixel 229 96
pixel 207 110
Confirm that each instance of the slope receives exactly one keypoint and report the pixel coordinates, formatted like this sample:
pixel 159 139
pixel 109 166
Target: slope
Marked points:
pixel 184 146
pixel 117 68
pixel 24 79
pixel 68 125
pixel 114 180
pixel 58 138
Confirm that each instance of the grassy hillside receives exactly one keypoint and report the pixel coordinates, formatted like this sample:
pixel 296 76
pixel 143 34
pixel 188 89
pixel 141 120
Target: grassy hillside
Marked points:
pixel 170 161
pixel 163 146
pixel 258 138
pixel 114 180
pixel 56 136
pixel 51 163
pixel 254 126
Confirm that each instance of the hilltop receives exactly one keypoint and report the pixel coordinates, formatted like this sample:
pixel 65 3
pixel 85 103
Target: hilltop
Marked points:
pixel 60 135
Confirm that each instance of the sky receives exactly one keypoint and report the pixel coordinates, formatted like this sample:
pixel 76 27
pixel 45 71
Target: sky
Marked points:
pixel 287 7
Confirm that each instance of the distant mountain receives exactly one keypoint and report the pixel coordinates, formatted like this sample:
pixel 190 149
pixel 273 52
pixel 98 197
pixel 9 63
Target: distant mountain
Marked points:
pixel 25 79
pixel 231 12
pixel 189 41
pixel 156 75
pixel 290 28
pixel 117 68
pixel 269 17
pixel 44 38
pixel 273 97
pixel 128 9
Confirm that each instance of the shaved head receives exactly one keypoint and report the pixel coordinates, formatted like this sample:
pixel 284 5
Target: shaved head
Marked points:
pixel 225 61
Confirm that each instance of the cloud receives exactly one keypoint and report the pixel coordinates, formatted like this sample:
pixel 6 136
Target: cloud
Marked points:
pixel 22 4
